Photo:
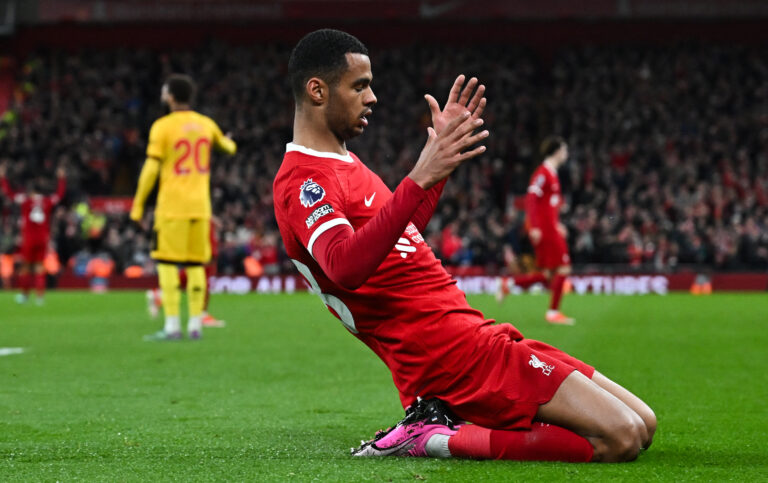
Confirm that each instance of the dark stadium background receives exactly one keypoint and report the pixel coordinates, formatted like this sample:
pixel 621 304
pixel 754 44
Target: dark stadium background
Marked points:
pixel 664 105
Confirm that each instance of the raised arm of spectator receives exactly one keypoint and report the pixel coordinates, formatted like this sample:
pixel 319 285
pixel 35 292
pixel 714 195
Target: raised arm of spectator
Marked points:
pixel 6 187
pixel 61 186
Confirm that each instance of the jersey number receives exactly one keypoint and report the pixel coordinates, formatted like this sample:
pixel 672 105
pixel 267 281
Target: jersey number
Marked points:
pixel 186 148
pixel 329 300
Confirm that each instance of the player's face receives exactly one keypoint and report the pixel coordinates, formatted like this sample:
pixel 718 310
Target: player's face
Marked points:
pixel 562 154
pixel 351 99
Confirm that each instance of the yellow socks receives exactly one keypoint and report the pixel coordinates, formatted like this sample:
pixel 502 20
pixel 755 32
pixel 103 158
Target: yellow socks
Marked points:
pixel 196 296
pixel 168 277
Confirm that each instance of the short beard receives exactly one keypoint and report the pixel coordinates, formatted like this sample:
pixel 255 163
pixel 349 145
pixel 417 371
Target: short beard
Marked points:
pixel 340 129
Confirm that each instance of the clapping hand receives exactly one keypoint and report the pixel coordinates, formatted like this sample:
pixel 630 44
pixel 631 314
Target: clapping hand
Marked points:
pixel 458 102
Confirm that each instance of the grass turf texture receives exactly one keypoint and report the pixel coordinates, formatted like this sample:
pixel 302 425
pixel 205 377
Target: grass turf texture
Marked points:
pixel 284 390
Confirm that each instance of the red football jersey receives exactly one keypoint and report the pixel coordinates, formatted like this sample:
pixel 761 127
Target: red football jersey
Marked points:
pixel 35 212
pixel 543 201
pixel 398 311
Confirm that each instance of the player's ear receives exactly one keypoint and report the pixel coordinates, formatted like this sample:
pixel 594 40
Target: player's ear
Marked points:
pixel 317 91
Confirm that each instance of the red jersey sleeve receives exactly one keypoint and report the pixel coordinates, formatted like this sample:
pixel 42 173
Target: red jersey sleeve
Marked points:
pixel 427 207
pixel 350 258
pixel 534 199
pixel 314 203
pixel 61 188
pixel 6 187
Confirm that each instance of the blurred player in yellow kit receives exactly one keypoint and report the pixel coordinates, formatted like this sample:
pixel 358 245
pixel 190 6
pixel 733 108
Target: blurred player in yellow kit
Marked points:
pixel 179 151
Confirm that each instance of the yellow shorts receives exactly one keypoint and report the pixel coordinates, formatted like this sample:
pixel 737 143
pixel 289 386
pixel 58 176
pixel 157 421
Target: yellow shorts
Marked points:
pixel 181 240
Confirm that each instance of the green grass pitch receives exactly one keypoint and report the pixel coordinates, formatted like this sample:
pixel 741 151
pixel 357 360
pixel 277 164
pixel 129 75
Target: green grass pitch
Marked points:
pixel 284 391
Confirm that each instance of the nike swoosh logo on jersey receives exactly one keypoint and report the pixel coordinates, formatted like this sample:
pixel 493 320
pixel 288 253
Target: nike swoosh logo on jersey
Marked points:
pixel 369 201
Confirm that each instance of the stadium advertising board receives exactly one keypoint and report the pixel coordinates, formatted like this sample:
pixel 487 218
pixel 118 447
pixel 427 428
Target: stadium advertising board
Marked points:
pixel 597 284
pixel 613 284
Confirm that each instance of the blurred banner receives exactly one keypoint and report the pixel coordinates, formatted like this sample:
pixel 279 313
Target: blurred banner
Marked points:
pixel 117 11
pixel 606 284
pixel 111 204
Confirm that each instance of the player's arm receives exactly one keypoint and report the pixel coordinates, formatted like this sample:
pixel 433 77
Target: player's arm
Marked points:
pixel 149 172
pixel 350 257
pixel 222 142
pixel 147 178
pixel 533 209
pixel 427 207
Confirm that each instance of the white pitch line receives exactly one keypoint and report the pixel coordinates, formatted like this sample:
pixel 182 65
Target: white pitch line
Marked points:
pixel 8 351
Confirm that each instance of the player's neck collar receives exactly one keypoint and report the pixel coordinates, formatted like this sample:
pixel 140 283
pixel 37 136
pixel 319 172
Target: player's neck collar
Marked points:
pixel 347 158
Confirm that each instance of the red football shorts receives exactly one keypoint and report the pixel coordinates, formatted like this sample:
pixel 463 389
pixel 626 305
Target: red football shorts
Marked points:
pixel 505 383
pixel 552 252
pixel 33 251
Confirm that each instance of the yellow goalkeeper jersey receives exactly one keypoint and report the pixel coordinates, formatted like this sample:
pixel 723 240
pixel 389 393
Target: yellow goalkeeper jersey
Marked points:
pixel 181 141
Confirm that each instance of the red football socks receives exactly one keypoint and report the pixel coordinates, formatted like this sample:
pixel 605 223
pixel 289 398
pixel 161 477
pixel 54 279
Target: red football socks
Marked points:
pixel 25 282
pixel 557 291
pixel 543 442
pixel 40 284
pixel 525 281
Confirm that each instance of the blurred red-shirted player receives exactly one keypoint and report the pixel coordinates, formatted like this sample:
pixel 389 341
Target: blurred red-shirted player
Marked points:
pixel 35 231
pixel 547 234
pixel 154 296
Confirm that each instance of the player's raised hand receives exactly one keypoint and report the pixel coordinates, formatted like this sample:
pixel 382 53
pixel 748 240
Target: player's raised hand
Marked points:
pixel 61 172
pixel 460 99
pixel 446 150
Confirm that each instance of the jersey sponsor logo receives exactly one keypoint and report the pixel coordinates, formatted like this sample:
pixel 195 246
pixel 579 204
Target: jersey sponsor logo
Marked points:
pixel 310 193
pixel 413 233
pixel 369 201
pixel 405 247
pixel 536 363
pixel 326 209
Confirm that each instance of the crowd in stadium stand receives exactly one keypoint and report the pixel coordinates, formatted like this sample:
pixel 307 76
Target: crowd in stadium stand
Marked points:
pixel 668 167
